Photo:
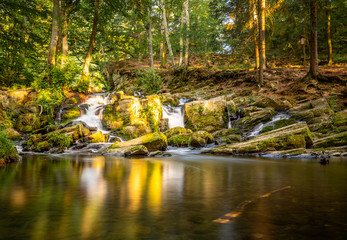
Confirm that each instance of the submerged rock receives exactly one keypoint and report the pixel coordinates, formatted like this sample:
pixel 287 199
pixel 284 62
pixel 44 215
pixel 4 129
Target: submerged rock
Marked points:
pixel 290 137
pixel 153 142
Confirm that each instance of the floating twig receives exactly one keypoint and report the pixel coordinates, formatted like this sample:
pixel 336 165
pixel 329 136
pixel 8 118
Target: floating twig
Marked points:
pixel 231 216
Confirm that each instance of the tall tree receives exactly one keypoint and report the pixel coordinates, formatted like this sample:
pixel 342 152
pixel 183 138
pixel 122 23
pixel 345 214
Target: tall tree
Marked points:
pixel 187 20
pixel 54 36
pixel 88 58
pixel 313 40
pixel 254 22
pixel 166 30
pixel 261 25
pixel 330 47
pixel 148 27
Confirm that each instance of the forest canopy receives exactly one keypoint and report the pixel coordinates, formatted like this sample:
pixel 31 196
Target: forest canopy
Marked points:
pixel 69 43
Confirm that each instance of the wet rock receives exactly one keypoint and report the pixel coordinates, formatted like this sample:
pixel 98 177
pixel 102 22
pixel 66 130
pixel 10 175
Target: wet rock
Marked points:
pixel 201 139
pixel 13 134
pixel 179 140
pixel 159 154
pixel 70 112
pixel 335 140
pixel 234 138
pixel 254 117
pixel 97 137
pixel 153 142
pixel 290 137
pixel 206 115
pixel 8 152
pixel 177 131
pixel 138 150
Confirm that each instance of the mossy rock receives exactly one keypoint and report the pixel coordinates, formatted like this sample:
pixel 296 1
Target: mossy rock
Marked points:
pixel 201 139
pixel 290 137
pixel 254 118
pixel 139 150
pixel 97 137
pixel 153 142
pixel 28 122
pixel 234 138
pixel 179 140
pixel 8 152
pixel 339 139
pixel 278 105
pixel 131 132
pixel 341 118
pixel 177 131
pixel 32 141
pixel 224 132
pixel 42 146
pixel 279 124
pixel 70 114
pixel 209 115
pixel 13 134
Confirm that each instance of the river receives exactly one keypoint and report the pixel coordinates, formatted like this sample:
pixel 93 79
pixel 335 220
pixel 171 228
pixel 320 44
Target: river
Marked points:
pixel 103 197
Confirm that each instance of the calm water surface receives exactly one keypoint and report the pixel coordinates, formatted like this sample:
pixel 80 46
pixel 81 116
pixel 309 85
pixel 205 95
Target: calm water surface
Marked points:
pixel 98 197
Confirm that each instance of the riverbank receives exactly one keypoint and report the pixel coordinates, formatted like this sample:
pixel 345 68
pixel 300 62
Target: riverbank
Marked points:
pixel 287 117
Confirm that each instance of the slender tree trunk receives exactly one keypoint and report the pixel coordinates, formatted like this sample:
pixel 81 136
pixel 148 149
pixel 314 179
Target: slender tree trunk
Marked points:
pixel 313 40
pixel 261 7
pixel 150 41
pixel 162 49
pixel 182 22
pixel 186 55
pixel 330 47
pixel 166 30
pixel 54 36
pixel 64 44
pixel 88 58
pixel 262 33
pixel 255 36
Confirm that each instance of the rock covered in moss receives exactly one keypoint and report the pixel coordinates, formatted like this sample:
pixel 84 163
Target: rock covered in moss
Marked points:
pixel 279 124
pixel 206 115
pixel 153 142
pixel 290 137
pixel 233 138
pixel 176 131
pixel 159 154
pixel 138 150
pixel 97 137
pixel 8 152
pixel 267 102
pixel 335 140
pixel 70 113
pixel 28 122
pixel 201 139
pixel 13 134
pixel 253 118
pixel 179 140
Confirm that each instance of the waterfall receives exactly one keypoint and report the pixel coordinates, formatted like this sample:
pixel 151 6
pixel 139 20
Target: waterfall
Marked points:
pixel 261 126
pixel 93 109
pixel 231 117
pixel 175 115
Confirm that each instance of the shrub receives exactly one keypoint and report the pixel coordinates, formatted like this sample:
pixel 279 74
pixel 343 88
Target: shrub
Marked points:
pixel 149 81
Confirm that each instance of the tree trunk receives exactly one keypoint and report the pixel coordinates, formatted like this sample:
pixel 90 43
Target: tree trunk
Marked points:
pixel 313 40
pixel 54 36
pixel 85 71
pixel 262 47
pixel 162 49
pixel 166 30
pixel 186 56
pixel 255 36
pixel 150 41
pixel 261 7
pixel 330 47
pixel 182 22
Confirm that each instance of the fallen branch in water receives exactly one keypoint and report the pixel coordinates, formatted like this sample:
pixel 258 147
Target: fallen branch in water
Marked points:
pixel 237 212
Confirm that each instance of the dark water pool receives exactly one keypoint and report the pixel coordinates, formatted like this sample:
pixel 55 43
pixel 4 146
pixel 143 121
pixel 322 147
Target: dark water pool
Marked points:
pixel 98 197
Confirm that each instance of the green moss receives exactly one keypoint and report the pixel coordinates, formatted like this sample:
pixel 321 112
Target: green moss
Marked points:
pixel 43 146
pixel 231 139
pixel 97 137
pixel 71 114
pixel 13 134
pixel 59 140
pixel 278 124
pixel 28 122
pixel 180 140
pixel 177 130
pixel 31 141
pixel 8 151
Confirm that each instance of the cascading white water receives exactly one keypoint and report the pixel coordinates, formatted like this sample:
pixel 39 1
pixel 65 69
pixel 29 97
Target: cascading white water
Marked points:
pixel 261 126
pixel 94 106
pixel 175 115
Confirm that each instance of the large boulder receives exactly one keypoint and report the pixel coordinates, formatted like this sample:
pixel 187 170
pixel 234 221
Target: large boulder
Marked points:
pixel 153 142
pixel 177 131
pixel 335 140
pixel 290 137
pixel 209 115
pixel 138 150
pixel 180 140
pixel 201 139
pixel 254 117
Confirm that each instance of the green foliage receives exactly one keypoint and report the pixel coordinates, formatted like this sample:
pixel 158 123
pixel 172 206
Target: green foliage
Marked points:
pixel 59 140
pixel 149 81
pixel 50 99
pixel 7 149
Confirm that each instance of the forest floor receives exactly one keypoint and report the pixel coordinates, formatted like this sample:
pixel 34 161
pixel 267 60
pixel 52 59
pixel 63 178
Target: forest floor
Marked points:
pixel 278 83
